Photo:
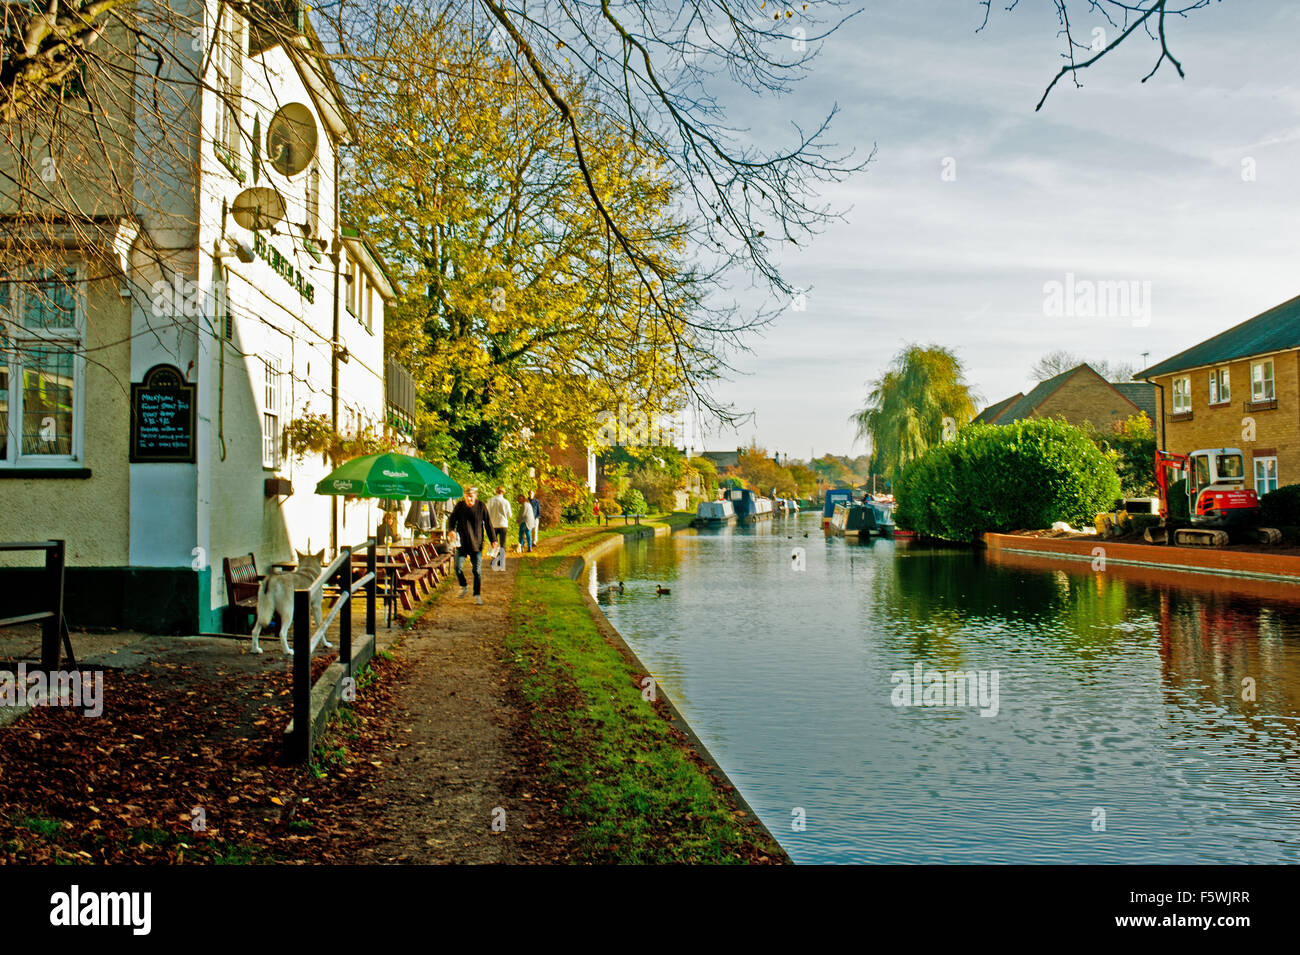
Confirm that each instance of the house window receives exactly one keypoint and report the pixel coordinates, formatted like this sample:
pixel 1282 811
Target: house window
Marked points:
pixel 1265 475
pixel 354 289
pixel 271 415
pixel 228 57
pixel 313 201
pixel 41 369
pixel 1219 391
pixel 1182 395
pixel 1261 381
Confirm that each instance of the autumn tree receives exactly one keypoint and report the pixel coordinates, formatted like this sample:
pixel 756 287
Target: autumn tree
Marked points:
pixel 518 320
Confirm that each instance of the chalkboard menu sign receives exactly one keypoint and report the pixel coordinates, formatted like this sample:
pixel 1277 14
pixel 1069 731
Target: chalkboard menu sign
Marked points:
pixel 162 417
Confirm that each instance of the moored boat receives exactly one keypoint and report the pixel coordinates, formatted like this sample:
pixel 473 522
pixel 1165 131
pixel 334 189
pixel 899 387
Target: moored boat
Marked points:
pixel 839 495
pixel 861 520
pixel 713 514
pixel 749 507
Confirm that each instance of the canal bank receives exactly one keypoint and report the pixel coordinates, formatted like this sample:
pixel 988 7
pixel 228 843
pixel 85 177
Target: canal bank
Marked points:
pixel 1280 568
pixel 636 778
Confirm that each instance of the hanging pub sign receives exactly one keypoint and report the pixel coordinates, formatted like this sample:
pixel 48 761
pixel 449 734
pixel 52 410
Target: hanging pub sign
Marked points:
pixel 162 417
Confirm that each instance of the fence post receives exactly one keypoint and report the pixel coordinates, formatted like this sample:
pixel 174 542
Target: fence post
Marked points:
pixel 345 615
pixel 302 740
pixel 51 629
pixel 371 588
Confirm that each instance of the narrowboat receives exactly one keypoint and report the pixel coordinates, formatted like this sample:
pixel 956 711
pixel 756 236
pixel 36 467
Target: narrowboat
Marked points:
pixel 748 506
pixel 713 514
pixel 839 495
pixel 861 520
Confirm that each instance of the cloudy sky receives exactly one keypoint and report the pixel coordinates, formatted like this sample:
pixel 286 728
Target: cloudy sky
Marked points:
pixel 1119 181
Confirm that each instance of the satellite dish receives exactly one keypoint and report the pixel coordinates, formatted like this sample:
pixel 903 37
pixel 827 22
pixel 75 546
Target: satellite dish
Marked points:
pixel 291 139
pixel 258 208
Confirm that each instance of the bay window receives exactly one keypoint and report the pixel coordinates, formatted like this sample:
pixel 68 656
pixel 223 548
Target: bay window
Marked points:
pixel 41 369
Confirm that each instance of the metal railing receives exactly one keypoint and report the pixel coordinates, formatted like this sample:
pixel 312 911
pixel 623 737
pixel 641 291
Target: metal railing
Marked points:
pixel 52 626
pixel 305 639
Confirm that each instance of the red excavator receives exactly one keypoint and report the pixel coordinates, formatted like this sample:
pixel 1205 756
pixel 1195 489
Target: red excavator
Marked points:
pixel 1210 504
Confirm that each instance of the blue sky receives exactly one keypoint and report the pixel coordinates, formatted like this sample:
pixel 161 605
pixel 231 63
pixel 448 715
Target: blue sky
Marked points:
pixel 1117 181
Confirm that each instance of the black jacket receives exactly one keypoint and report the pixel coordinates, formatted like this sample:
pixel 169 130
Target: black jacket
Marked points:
pixel 469 522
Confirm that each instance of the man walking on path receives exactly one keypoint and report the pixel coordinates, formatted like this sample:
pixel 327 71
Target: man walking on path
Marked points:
pixel 500 512
pixel 469 519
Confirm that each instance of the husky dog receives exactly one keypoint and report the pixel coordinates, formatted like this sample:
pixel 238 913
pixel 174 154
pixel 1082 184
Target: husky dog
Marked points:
pixel 275 597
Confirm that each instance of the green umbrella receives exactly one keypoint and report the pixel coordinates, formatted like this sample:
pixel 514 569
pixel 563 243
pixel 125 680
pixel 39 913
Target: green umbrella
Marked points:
pixel 390 475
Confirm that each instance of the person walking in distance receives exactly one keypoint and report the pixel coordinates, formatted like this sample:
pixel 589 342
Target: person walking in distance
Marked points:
pixel 469 519
pixel 527 522
pixel 536 505
pixel 500 512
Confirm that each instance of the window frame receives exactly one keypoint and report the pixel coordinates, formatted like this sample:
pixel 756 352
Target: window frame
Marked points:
pixel 1271 381
pixel 1186 394
pixel 1220 387
pixel 272 408
pixel 228 61
pixel 1255 463
pixel 16 337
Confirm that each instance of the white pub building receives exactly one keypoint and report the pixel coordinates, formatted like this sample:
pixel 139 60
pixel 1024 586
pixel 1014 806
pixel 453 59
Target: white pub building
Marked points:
pixel 207 295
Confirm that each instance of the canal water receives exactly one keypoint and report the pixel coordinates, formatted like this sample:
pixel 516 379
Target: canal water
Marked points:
pixel 1133 719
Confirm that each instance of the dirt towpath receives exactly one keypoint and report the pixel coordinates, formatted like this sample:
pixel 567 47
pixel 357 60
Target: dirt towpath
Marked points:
pixel 458 780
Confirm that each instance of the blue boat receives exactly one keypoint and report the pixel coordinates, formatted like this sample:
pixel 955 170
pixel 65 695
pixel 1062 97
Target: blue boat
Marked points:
pixel 749 507
pixel 839 495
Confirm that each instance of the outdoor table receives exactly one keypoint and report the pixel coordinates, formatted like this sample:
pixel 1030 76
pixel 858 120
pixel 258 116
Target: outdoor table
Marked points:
pixel 383 565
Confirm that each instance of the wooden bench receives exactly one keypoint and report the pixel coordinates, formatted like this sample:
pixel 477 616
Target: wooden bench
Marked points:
pixel 414 582
pixel 242 584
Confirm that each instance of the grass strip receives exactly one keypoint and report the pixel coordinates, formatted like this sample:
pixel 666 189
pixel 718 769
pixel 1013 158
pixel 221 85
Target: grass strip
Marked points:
pixel 636 791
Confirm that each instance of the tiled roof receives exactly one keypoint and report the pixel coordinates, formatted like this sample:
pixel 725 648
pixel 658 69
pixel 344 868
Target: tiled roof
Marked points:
pixel 1278 329
pixel 1141 393
pixel 1023 406
pixel 990 414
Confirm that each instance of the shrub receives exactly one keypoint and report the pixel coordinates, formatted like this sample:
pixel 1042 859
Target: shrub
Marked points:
pixel 1281 507
pixel 656 486
pixel 1028 474
pixel 632 502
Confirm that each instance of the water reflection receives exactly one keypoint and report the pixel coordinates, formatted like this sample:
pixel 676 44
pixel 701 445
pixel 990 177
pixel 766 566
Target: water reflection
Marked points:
pixel 1169 702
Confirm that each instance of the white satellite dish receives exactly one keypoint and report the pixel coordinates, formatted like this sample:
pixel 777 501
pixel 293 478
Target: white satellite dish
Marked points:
pixel 291 139
pixel 258 208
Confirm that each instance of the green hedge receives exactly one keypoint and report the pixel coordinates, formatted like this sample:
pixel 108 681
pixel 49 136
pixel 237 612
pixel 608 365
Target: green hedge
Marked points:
pixel 1029 474
pixel 1281 507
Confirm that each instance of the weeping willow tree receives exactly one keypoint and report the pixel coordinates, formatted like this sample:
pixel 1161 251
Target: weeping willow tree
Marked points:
pixel 907 406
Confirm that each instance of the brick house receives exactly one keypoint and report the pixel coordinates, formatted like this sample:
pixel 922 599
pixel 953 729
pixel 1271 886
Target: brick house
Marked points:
pixel 1239 389
pixel 1077 395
